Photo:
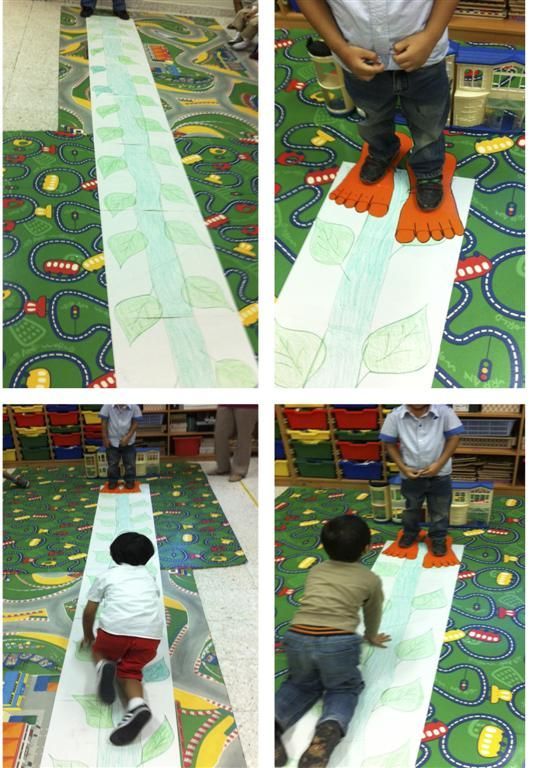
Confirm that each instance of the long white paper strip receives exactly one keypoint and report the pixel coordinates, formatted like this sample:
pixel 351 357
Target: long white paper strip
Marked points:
pixel 173 319
pixel 80 724
pixel 387 726
pixel 360 309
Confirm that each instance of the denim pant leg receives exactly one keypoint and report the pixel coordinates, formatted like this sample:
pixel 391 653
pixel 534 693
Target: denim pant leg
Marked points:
pixel 119 5
pixel 439 499
pixel 414 493
pixel 425 101
pixel 128 453
pixel 339 671
pixel 113 463
pixel 88 4
pixel 376 102
pixel 303 687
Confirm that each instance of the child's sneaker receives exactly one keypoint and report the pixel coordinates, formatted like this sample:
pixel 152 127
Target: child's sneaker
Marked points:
pixel 429 193
pixel 130 725
pixel 122 15
pixel 373 170
pixel 439 547
pixel 407 539
pixel 326 737
pixel 129 485
pixel 106 682
pixel 86 12
pixel 112 484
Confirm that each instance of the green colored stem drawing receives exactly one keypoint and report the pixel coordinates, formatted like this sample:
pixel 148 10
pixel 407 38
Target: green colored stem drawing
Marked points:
pixel 298 355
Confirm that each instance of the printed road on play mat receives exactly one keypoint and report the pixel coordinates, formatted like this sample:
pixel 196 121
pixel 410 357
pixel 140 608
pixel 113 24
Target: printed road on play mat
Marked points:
pixel 485 324
pixel 480 682
pixel 38 611
pixel 47 526
pixel 209 95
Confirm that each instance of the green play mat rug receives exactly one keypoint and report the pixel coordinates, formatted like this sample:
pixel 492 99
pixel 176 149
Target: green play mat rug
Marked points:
pixel 38 611
pixel 486 315
pixel 469 670
pixel 47 526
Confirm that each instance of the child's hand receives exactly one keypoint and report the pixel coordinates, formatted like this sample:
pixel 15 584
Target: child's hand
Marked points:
pixel 412 52
pixel 431 471
pixel 379 640
pixel 87 641
pixel 361 62
pixel 412 474
pixel 123 441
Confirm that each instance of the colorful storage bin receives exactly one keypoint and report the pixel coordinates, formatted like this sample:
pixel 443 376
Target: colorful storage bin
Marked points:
pixel 279 450
pixel 309 435
pixel 359 451
pixel 64 419
pixel 345 419
pixel 361 470
pixel 357 435
pixel 186 446
pixel 8 442
pixel 314 418
pixel 91 417
pixel 312 450
pixel 35 454
pixel 10 455
pixel 73 452
pixel 60 408
pixel 27 408
pixel 281 468
pixel 62 440
pixel 27 443
pixel 316 468
pixel 29 419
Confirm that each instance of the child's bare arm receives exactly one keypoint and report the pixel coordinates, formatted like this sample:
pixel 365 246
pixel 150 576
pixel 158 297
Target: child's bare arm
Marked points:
pixel 412 52
pixel 450 447
pixel 89 615
pixel 360 61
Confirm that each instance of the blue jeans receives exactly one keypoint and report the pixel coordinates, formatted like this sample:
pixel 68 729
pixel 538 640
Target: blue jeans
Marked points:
pixel 128 455
pixel 424 97
pixel 320 667
pixel 118 5
pixel 438 492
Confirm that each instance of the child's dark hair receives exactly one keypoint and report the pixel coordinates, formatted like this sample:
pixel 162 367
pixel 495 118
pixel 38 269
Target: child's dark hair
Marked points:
pixel 345 537
pixel 131 548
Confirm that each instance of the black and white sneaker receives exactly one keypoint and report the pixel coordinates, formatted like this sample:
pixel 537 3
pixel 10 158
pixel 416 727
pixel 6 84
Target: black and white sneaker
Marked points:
pixel 130 725
pixel 106 682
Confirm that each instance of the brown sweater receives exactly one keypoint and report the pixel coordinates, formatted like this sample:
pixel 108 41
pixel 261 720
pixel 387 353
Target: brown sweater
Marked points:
pixel 334 593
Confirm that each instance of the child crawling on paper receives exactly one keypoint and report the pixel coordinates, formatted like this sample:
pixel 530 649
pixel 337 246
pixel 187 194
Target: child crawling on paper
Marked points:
pixel 130 629
pixel 322 645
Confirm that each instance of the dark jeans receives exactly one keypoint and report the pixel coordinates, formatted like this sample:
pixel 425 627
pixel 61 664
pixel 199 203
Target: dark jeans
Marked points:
pixel 128 455
pixel 118 5
pixel 438 492
pixel 424 96
pixel 320 667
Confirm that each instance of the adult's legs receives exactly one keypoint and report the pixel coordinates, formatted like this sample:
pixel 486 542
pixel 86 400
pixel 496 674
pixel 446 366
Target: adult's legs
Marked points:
pixel 245 421
pixel 224 429
pixel 439 499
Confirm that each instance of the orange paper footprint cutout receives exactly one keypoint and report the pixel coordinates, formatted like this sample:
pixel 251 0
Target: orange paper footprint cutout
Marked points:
pixel 121 489
pixel 352 192
pixel 432 561
pixel 442 223
pixel 394 550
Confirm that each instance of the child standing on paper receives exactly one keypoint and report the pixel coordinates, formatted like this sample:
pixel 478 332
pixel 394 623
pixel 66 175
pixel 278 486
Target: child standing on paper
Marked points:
pixel 130 629
pixel 421 440
pixel 393 50
pixel 119 424
pixel 119 9
pixel 322 645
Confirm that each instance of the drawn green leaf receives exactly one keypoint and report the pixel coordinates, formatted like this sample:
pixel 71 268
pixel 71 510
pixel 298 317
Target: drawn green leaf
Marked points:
pixel 159 742
pixel 125 244
pixel 150 124
pixel 397 759
pixel 94 51
pixel 405 698
pixel 298 355
pixel 386 568
pixel 160 155
pixel 201 292
pixel 97 714
pixel 126 60
pixel 330 243
pixel 415 648
pixel 156 672
pixel 116 202
pixel 110 134
pixel 400 347
pixel 140 80
pixel 429 600
pixel 182 232
pixel 235 373
pixel 67 763
pixel 97 68
pixel 107 109
pixel 146 101
pixel 109 164
pixel 137 314
pixel 99 89
pixel 173 193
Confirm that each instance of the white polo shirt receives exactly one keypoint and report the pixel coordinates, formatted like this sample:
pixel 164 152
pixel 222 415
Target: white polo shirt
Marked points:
pixel 129 602
pixel 378 24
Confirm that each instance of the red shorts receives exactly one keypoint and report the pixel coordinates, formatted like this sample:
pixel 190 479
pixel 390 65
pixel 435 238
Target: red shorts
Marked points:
pixel 130 653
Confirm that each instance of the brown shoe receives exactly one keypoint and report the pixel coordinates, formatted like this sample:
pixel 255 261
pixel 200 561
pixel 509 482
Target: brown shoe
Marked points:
pixel 235 478
pixel 326 737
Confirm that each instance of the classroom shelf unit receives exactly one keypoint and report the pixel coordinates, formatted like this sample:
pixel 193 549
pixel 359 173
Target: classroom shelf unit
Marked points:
pixel 328 446
pixel 34 433
pixel 471 28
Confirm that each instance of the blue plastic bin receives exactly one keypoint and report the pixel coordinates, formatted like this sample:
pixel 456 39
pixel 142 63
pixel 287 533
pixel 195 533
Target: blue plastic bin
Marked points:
pixel 60 408
pixel 279 450
pixel 8 442
pixel 74 452
pixel 361 470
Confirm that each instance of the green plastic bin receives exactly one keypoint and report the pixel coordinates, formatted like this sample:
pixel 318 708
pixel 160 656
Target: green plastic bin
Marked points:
pixel 33 443
pixel 316 468
pixel 357 435
pixel 321 450
pixel 36 454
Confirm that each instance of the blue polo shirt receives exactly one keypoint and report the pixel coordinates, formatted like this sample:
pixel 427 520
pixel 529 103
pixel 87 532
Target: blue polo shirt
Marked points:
pixel 422 440
pixel 119 420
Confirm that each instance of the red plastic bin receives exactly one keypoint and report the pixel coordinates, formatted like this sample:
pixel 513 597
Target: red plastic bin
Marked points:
pixel 315 418
pixel 186 446
pixel 92 430
pixel 366 419
pixel 359 451
pixel 29 419
pixel 64 419
pixel 63 441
